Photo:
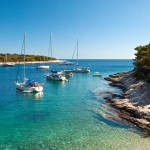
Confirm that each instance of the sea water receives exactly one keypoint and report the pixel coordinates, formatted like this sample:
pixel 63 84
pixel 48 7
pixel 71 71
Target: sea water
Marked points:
pixel 66 115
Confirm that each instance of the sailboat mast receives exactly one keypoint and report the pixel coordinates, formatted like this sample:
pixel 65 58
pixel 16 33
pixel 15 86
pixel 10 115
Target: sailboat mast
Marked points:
pixel 77 52
pixel 50 49
pixel 6 58
pixel 24 72
pixel 44 59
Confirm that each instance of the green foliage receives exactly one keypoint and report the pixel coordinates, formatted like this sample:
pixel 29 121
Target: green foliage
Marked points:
pixel 17 58
pixel 142 62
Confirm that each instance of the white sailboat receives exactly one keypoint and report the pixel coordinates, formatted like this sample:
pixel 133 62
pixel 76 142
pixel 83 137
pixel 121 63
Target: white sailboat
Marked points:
pixel 65 62
pixel 54 75
pixel 79 69
pixel 68 73
pixel 41 66
pixel 28 85
pixel 8 64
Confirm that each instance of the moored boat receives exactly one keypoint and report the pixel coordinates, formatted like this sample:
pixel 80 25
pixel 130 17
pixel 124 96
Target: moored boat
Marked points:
pixel 7 64
pixel 27 85
pixel 66 63
pixel 56 76
pixel 97 74
pixel 80 69
pixel 53 74
pixel 42 67
pixel 68 73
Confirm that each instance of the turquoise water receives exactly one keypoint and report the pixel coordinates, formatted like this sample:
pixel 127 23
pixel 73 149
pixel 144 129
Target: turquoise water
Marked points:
pixel 66 115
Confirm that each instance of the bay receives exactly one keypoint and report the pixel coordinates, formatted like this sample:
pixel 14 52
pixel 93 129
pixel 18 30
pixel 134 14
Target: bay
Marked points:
pixel 66 115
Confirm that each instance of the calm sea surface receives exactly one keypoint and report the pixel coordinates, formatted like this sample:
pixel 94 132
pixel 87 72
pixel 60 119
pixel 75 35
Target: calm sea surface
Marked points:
pixel 67 115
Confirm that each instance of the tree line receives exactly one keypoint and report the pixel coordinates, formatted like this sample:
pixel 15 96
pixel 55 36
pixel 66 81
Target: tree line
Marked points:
pixel 142 62
pixel 18 58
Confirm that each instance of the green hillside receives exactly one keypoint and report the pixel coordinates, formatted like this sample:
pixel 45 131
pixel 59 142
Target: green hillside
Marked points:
pixel 17 58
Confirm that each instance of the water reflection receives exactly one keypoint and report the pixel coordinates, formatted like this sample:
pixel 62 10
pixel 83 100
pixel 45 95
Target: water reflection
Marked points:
pixel 35 96
pixel 38 96
pixel 62 83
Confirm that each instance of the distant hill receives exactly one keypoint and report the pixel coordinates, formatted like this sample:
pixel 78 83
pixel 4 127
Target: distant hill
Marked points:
pixel 17 58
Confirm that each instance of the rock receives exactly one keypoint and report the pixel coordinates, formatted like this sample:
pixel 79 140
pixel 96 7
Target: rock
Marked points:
pixel 134 104
pixel 116 95
pixel 119 85
pixel 111 94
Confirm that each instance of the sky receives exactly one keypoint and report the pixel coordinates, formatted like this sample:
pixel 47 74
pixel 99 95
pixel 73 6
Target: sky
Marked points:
pixel 105 29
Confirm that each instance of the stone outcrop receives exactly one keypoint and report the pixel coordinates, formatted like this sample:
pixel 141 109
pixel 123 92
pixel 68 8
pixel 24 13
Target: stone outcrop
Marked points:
pixel 134 103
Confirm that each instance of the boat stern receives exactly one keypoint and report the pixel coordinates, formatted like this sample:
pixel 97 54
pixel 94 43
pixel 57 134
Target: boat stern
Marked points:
pixel 38 89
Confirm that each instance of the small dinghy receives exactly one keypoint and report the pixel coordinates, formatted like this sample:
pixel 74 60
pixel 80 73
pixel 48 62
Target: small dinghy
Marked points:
pixel 97 74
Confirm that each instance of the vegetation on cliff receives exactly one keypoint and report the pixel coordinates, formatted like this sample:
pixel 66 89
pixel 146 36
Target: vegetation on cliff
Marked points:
pixel 17 58
pixel 142 62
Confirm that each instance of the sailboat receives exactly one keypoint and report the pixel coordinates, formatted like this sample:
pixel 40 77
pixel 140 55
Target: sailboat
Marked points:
pixel 41 66
pixel 54 75
pixel 68 73
pixel 79 69
pixel 8 64
pixel 28 85
pixel 65 62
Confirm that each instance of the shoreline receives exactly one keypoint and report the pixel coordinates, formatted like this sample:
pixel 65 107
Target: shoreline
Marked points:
pixel 134 103
pixel 34 62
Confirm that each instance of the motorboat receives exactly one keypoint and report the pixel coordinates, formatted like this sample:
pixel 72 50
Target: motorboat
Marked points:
pixel 42 67
pixel 7 64
pixel 97 74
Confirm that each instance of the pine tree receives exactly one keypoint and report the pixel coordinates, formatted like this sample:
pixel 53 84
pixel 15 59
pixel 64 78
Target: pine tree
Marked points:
pixel 142 62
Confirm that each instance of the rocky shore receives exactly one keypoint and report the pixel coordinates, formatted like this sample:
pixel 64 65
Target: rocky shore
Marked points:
pixel 134 103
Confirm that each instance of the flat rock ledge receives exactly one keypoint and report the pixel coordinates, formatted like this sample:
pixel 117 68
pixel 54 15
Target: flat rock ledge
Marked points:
pixel 134 103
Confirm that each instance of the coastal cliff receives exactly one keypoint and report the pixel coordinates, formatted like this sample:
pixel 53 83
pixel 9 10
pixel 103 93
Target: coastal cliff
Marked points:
pixel 134 103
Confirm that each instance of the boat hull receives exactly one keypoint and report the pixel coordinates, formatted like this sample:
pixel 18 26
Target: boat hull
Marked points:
pixel 97 74
pixel 8 65
pixel 27 88
pixel 68 73
pixel 55 77
pixel 81 70
pixel 43 67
